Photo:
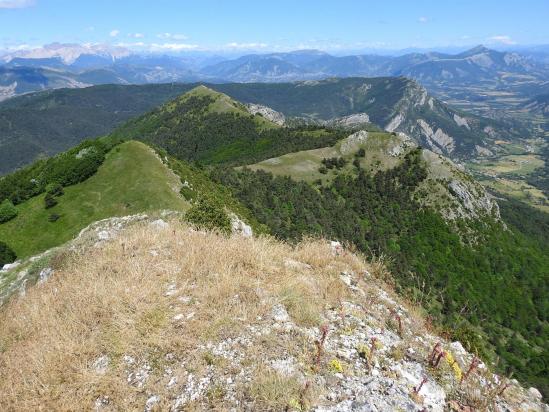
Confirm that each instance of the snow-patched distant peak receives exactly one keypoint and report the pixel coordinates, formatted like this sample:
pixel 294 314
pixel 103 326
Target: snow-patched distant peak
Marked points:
pixel 68 53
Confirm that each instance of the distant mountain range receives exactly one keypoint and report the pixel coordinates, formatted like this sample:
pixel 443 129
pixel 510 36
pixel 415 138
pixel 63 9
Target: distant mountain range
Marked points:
pixel 58 66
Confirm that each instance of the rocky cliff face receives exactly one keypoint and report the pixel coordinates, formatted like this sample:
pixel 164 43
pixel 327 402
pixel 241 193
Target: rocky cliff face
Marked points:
pixel 437 127
pixel 268 113
pixel 158 316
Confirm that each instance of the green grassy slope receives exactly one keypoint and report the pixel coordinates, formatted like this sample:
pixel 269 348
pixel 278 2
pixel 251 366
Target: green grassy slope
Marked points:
pixel 131 180
pixel 304 165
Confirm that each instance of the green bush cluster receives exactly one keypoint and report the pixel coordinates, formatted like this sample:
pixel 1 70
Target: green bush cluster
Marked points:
pixel 6 254
pixel 334 162
pixel 65 169
pixel 7 211
pixel 207 213
pixel 53 190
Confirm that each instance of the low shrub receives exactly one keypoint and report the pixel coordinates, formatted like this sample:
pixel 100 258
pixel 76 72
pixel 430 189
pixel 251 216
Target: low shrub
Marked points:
pixel 49 201
pixel 208 213
pixel 7 211
pixel 6 254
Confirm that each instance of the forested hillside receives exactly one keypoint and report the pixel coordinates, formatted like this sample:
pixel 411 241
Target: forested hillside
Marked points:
pixel 209 127
pixel 46 123
pixel 492 296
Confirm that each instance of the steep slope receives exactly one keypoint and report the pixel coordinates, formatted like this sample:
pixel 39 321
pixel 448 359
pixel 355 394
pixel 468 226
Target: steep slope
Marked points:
pixel 207 126
pixel 395 104
pixel 178 319
pixel 476 66
pixel 20 80
pixel 439 229
pixel 538 104
pixel 131 180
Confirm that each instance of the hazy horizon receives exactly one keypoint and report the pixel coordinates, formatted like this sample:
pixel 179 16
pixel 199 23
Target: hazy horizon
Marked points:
pixel 241 27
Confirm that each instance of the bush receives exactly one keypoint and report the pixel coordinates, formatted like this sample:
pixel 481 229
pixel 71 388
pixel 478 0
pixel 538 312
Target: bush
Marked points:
pixel 207 213
pixel 54 217
pixel 334 162
pixel 49 201
pixel 55 189
pixel 7 211
pixel 361 153
pixel 6 254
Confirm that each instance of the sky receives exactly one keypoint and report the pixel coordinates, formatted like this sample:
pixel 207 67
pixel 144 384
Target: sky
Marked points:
pixel 277 25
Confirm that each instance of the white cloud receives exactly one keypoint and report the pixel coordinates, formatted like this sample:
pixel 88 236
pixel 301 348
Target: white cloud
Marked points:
pixel 20 47
pixel 423 19
pixel 173 46
pixel 173 36
pixel 136 35
pixel 138 44
pixel 235 45
pixel 15 4
pixel 503 39
pixel 114 33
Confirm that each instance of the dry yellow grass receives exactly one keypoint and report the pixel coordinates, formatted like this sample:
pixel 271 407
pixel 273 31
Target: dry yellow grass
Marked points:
pixel 157 296
pixel 178 319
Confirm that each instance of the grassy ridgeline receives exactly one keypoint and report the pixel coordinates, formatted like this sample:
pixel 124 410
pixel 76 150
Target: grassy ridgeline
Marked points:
pixel 131 180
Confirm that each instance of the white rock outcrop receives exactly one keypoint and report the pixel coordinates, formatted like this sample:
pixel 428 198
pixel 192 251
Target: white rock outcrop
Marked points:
pixel 238 226
pixel 267 113
pixel 352 143
pixel 437 139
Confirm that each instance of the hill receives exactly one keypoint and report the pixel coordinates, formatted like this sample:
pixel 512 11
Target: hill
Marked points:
pixel 446 188
pixel 539 104
pixel 181 319
pixel 20 80
pixel 209 127
pixel 49 122
pixel 131 180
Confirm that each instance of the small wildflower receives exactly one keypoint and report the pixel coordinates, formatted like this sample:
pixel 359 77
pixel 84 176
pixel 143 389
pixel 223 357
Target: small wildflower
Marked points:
pixel 336 366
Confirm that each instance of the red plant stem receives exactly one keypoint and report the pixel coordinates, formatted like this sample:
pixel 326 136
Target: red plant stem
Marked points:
pixel 320 343
pixel 372 346
pixel 503 389
pixel 417 389
pixel 474 364
pixel 436 350
pixel 440 356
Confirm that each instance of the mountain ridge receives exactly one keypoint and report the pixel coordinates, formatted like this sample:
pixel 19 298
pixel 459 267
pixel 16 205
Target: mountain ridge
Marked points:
pixel 443 262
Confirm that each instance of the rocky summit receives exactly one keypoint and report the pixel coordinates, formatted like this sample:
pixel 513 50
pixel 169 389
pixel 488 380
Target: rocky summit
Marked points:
pixel 149 314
